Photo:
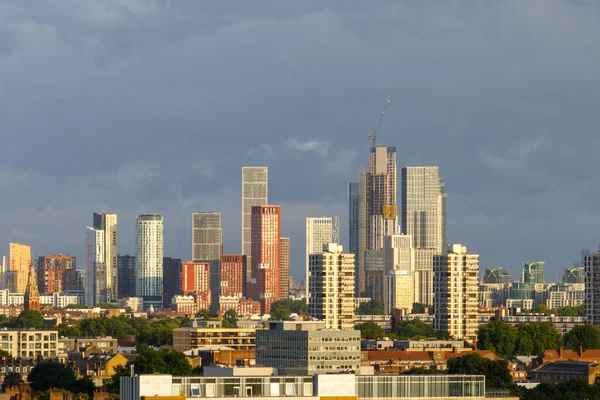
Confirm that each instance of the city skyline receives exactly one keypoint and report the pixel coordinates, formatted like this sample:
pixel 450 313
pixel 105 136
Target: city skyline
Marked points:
pixel 487 109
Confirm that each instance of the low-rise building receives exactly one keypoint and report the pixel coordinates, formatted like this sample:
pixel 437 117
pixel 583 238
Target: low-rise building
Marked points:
pixel 105 345
pixel 560 323
pixel 562 371
pixel 306 348
pixel 207 333
pixel 29 343
pixel 383 321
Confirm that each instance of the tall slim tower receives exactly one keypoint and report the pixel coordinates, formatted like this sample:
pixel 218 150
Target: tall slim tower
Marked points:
pixel 591 265
pixel 108 224
pixel 398 274
pixel 149 259
pixel 265 284
pixel 319 232
pixel 20 260
pixel 53 271
pixel 284 253
pixel 380 217
pixel 456 288
pixel 424 218
pixel 331 287
pixel 255 192
pixel 95 282
pixel 207 236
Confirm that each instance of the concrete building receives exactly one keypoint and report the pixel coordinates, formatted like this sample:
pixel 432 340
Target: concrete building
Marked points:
pixel 331 287
pixel 95 290
pixel 497 276
pixel 171 285
pixel 285 261
pixel 354 226
pixel 29 343
pixel 307 348
pixel 424 218
pixel 319 232
pixel 20 259
pixel 52 272
pixel 574 275
pixel 455 287
pixel 255 192
pixel 265 285
pixel 127 280
pixel 317 387
pixel 207 236
pixel 211 333
pixel 565 294
pixel 533 272
pixel 398 273
pixel 233 277
pixel 59 300
pixel 108 224
pixel 592 288
pixel 195 279
pixel 149 259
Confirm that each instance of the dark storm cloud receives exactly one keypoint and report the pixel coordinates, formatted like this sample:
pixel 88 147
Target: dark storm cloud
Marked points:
pixel 152 106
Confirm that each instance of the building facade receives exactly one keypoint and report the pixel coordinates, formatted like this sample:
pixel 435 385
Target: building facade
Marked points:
pixel 149 259
pixel 20 259
pixel 265 284
pixel 195 277
pixel 213 335
pixel 306 348
pixel 207 236
pixel 94 266
pixel 319 232
pixel 455 286
pixel 29 343
pixel 255 192
pixel 284 254
pixel 331 287
pixel 108 224
pixel 172 284
pixel 398 273
pixel 233 278
pixel 127 279
pixel 52 272
pixel 592 288
pixel 424 218
pixel 32 294
pixel 533 272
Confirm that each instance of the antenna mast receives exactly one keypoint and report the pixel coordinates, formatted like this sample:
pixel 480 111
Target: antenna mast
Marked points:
pixel 372 135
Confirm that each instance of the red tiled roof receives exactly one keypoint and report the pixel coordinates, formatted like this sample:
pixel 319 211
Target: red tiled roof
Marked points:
pixel 483 353
pixel 396 355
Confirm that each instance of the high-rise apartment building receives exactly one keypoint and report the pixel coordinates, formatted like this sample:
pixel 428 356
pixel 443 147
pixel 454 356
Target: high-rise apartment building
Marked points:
pixel 172 280
pixel 353 217
pixel 94 266
pixel 591 264
pixel 233 275
pixel 424 218
pixel 207 236
pixel 149 259
pixel 284 265
pixel 574 275
pixel 255 192
pixel 195 277
pixel 359 258
pixel 53 271
pixel 108 223
pixel 319 232
pixel 265 284
pixel 20 260
pixel 331 287
pixel 533 272
pixel 456 290
pixel 399 269
pixel 378 213
pixel 127 279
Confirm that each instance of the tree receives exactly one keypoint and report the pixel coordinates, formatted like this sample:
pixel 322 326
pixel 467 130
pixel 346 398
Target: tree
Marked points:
pixel 5 354
pixel 541 308
pixel 150 361
pixel 499 337
pixel 158 334
pixel 496 372
pixel 542 335
pixel 415 329
pixel 12 379
pixel 369 330
pixel 587 336
pixel 203 314
pixel 371 307
pixel 230 319
pixel 112 385
pixel 281 309
pixel 568 311
pixel 29 319
pixel 54 374
pixel 419 308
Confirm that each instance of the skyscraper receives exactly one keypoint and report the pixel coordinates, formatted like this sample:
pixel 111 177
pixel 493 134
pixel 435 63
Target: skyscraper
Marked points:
pixel 108 223
pixel 591 264
pixel 20 260
pixel 398 273
pixel 233 275
pixel 265 284
pixel 52 272
pixel 319 232
pixel 94 266
pixel 533 272
pixel 377 217
pixel 255 192
pixel 196 281
pixel 331 287
pixel 172 280
pixel 127 280
pixel 424 218
pixel 207 236
pixel 456 287
pixel 284 253
pixel 207 246
pixel 149 259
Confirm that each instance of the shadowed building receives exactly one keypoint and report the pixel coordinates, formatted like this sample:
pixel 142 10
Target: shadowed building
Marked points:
pixel 149 259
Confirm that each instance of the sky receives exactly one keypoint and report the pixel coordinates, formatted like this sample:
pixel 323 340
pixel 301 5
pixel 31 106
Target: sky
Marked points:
pixel 140 106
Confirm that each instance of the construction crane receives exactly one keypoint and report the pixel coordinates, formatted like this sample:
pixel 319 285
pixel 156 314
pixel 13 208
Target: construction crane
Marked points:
pixel 372 135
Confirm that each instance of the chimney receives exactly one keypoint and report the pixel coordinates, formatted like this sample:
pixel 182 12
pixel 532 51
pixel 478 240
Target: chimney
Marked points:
pixel 579 351
pixel 560 352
